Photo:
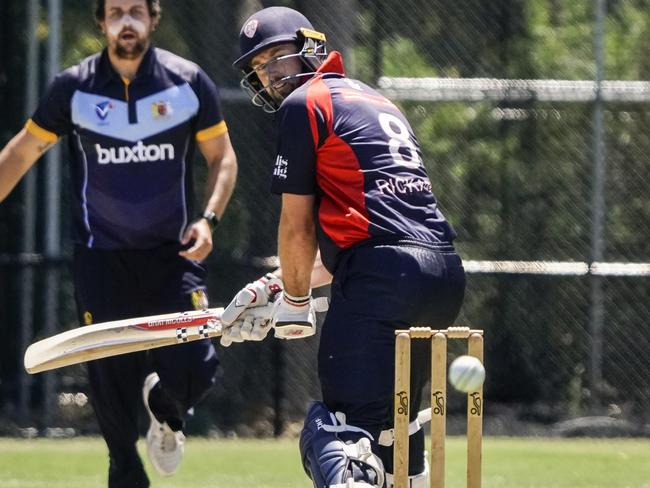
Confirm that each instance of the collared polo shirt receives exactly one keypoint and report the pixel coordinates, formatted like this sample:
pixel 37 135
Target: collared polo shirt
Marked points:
pixel 130 145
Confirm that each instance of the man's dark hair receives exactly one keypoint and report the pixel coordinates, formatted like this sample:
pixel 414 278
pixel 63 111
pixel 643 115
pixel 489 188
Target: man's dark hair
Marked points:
pixel 154 9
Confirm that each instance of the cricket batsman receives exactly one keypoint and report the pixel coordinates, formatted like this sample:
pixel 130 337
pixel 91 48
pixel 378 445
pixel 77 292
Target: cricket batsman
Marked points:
pixel 354 187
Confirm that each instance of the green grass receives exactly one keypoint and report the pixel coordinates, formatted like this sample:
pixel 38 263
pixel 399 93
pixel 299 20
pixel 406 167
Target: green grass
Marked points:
pixel 507 463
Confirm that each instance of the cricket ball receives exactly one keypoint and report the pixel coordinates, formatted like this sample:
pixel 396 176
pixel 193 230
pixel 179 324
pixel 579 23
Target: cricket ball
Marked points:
pixel 466 373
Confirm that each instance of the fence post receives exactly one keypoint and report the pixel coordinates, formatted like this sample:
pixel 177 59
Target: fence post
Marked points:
pixel 28 237
pixel 52 214
pixel 596 306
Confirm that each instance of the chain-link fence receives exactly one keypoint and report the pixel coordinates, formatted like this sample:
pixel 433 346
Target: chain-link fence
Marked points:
pixel 517 170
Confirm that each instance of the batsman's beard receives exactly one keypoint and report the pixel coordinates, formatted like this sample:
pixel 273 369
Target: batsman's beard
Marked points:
pixel 280 90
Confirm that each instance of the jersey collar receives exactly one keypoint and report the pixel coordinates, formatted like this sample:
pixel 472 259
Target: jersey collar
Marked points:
pixel 108 74
pixel 332 64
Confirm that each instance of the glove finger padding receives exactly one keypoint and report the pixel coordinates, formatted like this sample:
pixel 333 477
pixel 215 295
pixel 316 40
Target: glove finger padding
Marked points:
pixel 253 325
pixel 231 334
pixel 246 328
pixel 255 328
pixel 256 294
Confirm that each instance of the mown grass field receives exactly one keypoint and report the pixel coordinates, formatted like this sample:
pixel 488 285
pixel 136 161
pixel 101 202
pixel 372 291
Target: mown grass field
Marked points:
pixel 508 463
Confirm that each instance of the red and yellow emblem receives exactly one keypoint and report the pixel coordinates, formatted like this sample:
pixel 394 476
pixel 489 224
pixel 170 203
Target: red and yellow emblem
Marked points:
pixel 161 109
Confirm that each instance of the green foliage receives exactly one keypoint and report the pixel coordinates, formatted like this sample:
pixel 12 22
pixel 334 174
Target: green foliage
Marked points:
pixel 628 35
pixel 562 39
pixel 395 54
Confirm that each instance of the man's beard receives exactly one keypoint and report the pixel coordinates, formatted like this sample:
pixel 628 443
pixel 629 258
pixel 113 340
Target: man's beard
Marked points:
pixel 132 51
pixel 281 90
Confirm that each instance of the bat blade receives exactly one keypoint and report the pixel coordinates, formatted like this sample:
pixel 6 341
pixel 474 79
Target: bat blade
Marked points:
pixel 120 337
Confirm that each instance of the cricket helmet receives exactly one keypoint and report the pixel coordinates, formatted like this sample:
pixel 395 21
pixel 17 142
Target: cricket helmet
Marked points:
pixel 269 27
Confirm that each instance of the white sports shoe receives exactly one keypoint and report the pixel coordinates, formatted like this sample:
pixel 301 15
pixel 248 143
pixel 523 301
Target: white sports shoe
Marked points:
pixel 164 446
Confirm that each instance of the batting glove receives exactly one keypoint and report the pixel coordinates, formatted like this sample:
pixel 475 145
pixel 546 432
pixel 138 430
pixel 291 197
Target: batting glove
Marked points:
pixel 252 325
pixel 295 317
pixel 256 294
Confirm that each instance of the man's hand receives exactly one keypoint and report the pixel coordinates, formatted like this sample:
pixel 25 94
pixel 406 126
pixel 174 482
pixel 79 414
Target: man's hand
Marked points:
pixel 200 233
pixel 256 294
pixel 290 319
pixel 293 317
pixel 248 327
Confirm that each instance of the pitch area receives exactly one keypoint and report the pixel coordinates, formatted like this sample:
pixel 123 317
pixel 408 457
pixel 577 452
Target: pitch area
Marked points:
pixel 508 463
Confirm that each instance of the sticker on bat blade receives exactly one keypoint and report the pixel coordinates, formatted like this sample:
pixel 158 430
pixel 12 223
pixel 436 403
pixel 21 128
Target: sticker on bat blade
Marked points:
pixel 173 322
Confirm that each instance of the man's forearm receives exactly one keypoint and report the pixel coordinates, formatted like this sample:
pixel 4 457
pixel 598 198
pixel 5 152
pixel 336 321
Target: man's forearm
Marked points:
pixel 14 163
pixel 297 250
pixel 319 274
pixel 222 176
pixel 10 171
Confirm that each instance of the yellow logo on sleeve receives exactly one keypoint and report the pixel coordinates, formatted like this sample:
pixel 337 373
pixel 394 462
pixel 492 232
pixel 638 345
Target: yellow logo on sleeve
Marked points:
pixel 199 299
pixel 88 318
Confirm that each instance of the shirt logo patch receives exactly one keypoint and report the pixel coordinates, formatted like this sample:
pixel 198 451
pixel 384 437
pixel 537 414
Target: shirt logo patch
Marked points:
pixel 102 109
pixel 88 318
pixel 281 166
pixel 199 300
pixel 161 109
pixel 251 28
pixel 136 154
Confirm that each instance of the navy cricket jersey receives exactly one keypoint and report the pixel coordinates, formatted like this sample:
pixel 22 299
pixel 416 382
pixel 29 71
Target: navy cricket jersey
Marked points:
pixel 131 145
pixel 352 148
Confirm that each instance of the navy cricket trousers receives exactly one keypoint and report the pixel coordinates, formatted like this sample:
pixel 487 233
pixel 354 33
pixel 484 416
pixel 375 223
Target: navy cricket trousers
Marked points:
pixel 375 291
pixel 114 285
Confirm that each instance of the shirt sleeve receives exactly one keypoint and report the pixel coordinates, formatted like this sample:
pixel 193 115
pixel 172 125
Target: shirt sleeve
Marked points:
pixel 209 121
pixel 52 118
pixel 295 164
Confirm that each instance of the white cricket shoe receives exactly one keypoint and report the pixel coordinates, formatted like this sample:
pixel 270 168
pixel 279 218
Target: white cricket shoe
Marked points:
pixel 164 446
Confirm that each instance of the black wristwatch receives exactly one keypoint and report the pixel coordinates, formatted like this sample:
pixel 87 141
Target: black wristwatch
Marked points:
pixel 212 219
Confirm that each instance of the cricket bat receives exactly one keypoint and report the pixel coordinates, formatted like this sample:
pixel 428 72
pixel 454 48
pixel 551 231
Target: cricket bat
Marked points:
pixel 107 339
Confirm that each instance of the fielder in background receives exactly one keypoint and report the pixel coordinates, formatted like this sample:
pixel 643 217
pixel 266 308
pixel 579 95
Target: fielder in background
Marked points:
pixel 350 172
pixel 133 115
